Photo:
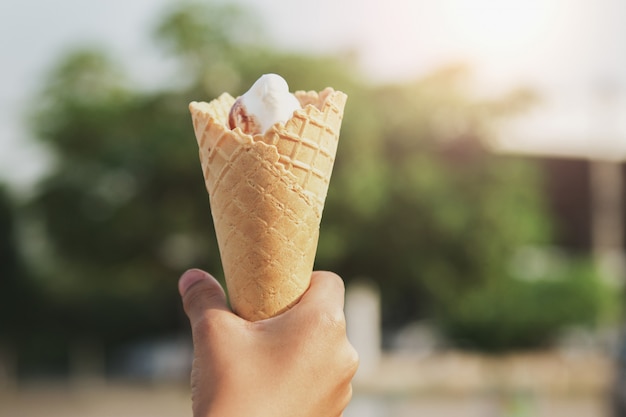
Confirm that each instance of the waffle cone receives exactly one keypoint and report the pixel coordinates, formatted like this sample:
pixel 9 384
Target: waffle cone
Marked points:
pixel 267 195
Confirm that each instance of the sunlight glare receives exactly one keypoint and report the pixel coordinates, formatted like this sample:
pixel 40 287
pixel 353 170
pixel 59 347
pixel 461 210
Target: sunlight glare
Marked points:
pixel 501 26
pixel 500 38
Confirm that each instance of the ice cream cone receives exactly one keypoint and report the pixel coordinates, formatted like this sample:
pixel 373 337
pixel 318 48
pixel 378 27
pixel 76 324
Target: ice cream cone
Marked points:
pixel 267 195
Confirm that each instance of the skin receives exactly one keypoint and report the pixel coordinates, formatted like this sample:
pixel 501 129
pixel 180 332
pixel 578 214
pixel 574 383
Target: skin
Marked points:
pixel 299 363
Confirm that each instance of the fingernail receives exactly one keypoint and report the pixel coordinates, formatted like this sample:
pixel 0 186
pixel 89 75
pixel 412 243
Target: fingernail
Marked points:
pixel 189 278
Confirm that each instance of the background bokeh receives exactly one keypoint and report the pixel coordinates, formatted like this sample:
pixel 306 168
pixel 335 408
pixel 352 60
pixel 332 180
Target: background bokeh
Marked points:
pixel 478 185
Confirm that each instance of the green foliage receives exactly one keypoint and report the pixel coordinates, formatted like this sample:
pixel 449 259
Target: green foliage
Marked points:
pixel 125 211
pixel 417 202
pixel 211 43
pixel 430 213
pixel 516 313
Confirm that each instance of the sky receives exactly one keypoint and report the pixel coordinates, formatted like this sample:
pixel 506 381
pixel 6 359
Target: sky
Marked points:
pixel 572 51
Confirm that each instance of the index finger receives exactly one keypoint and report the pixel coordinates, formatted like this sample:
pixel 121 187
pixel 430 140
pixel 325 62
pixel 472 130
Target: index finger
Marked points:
pixel 326 291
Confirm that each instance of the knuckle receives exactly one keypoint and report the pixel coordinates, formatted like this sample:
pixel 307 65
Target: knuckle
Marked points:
pixel 342 397
pixel 352 360
pixel 336 319
pixel 347 395
pixel 331 322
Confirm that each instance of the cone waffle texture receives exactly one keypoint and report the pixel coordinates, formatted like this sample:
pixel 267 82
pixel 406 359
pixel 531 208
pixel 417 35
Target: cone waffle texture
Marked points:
pixel 267 195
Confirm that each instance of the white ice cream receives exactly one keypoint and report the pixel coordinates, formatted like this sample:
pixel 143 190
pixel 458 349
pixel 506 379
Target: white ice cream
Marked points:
pixel 268 101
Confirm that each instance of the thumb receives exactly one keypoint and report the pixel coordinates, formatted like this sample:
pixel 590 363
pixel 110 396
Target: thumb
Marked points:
pixel 200 293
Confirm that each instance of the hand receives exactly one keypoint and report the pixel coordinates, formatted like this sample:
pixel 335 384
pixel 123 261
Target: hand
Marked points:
pixel 299 363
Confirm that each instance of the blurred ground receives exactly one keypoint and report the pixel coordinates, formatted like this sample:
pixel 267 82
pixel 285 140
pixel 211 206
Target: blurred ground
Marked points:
pixel 456 373
pixel 170 400
pixel 442 385
pixel 451 384
pixel 59 399
pixel 477 406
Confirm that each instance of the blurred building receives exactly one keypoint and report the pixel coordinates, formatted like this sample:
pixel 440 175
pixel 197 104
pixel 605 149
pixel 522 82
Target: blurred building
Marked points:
pixel 568 194
pixel 587 202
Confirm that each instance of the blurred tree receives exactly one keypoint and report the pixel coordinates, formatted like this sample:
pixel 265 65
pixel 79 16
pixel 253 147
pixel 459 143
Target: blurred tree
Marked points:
pixel 437 206
pixel 120 209
pixel 125 210
pixel 417 202
pixel 435 217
